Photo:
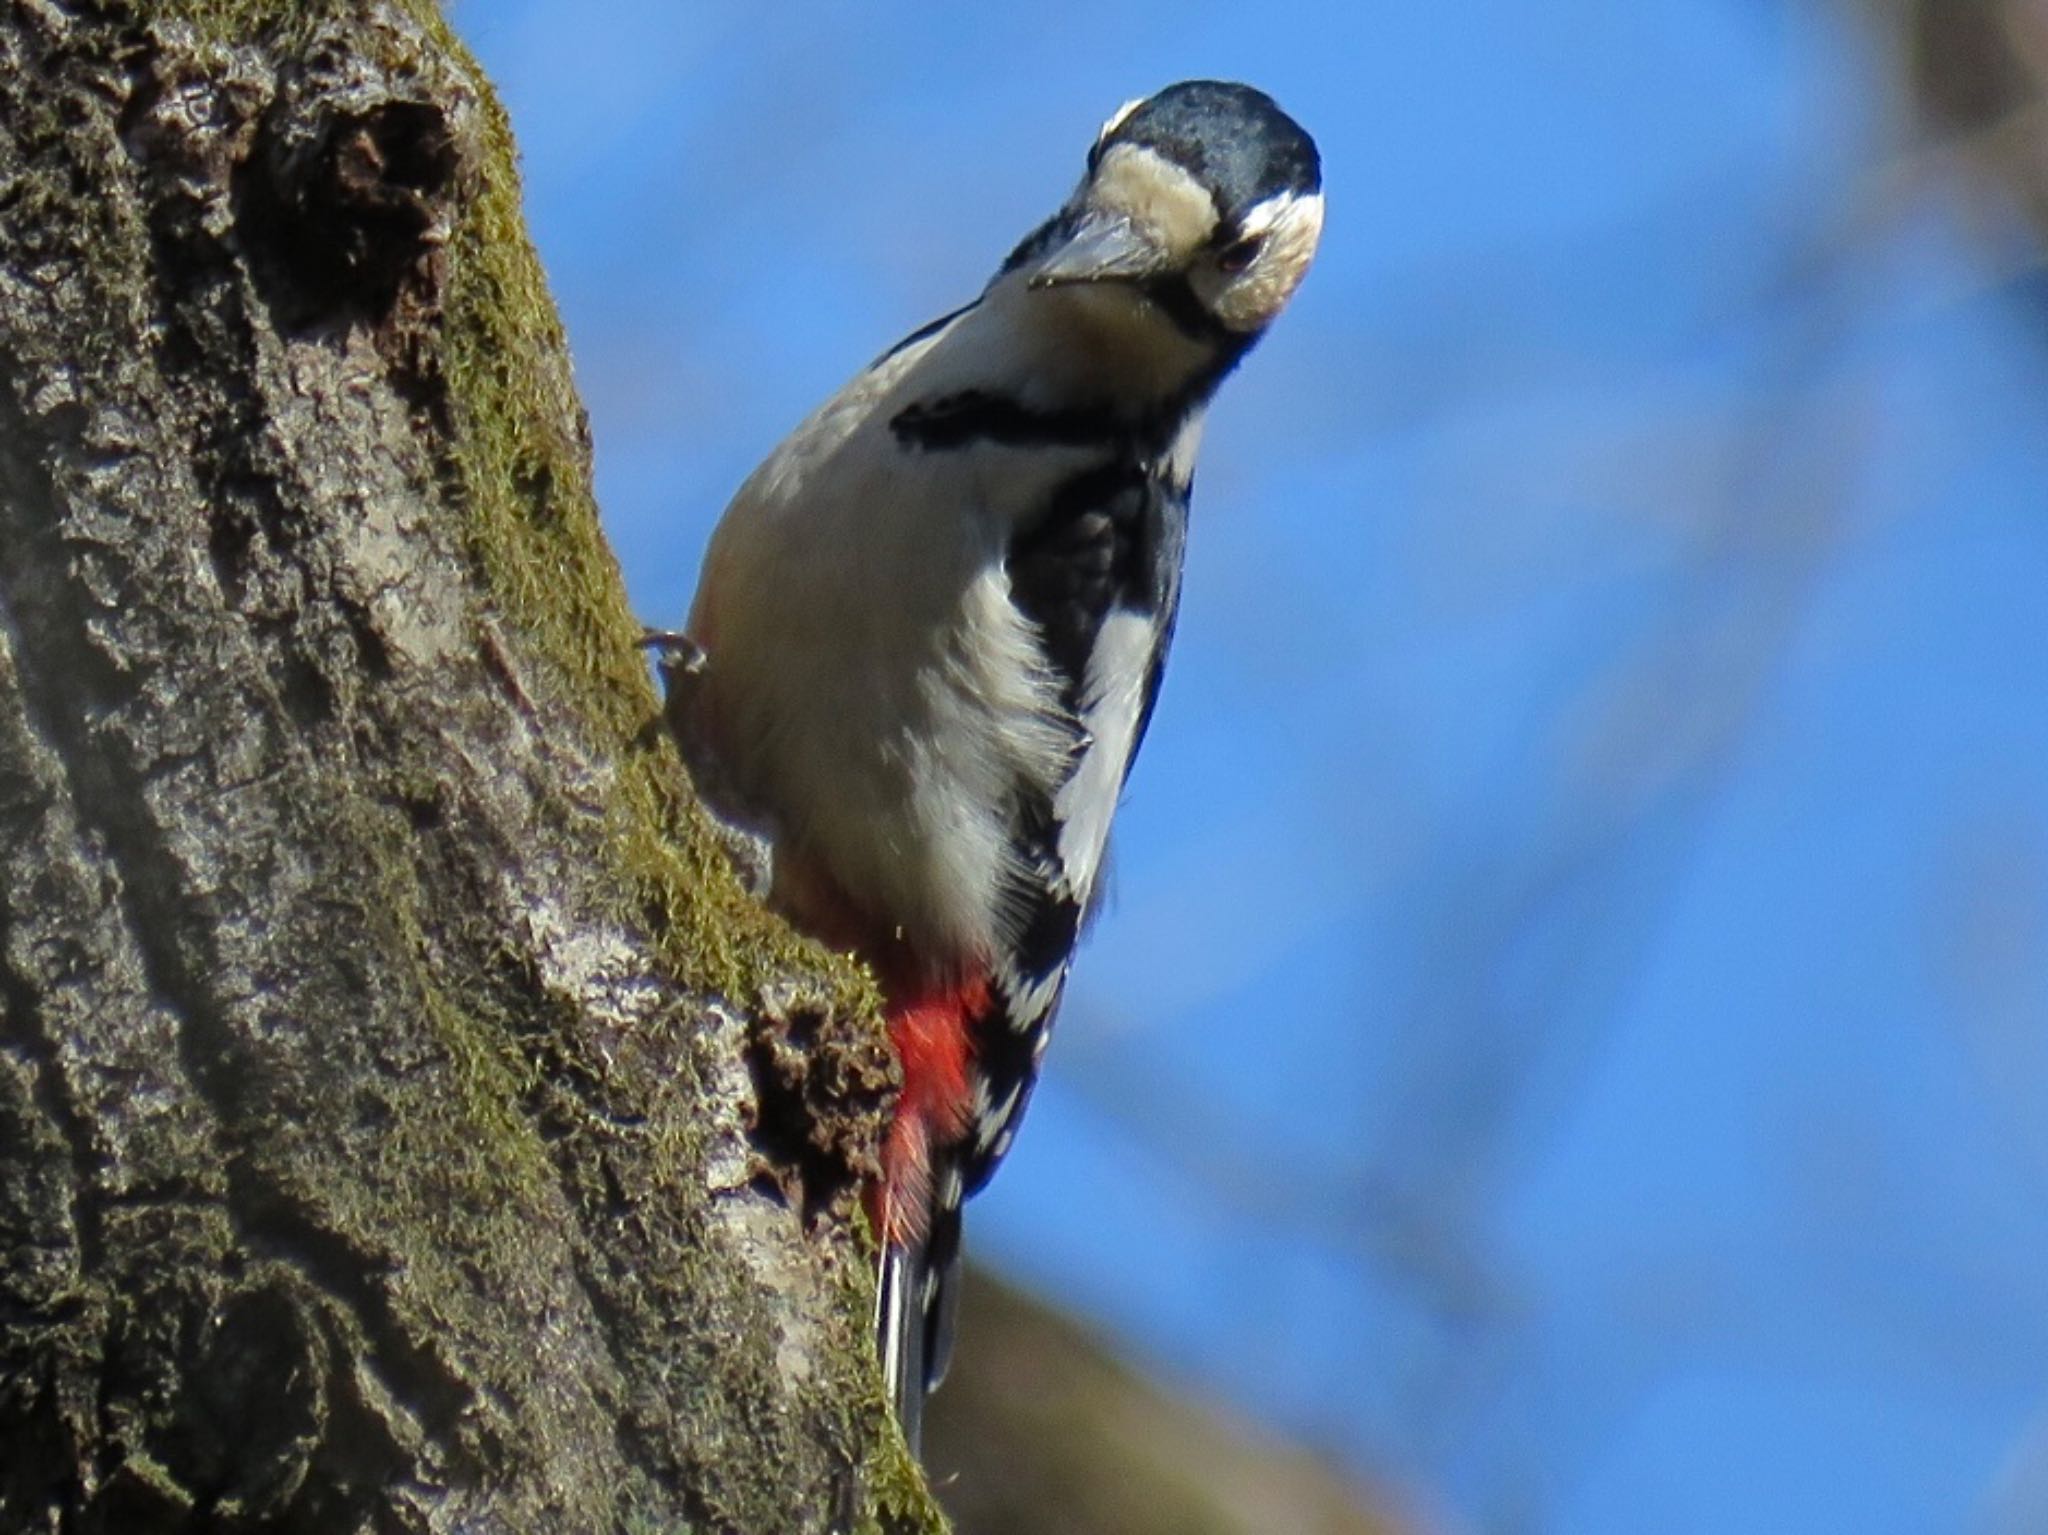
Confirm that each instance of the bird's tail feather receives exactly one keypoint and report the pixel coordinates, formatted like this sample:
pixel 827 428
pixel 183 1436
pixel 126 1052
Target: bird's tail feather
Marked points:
pixel 899 1335
pixel 915 1306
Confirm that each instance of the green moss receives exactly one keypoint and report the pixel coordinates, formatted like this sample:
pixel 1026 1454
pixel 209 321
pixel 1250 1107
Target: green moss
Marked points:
pixel 524 478
pixel 519 464
pixel 492 1074
pixel 240 21
pixel 899 1500
pixel 534 530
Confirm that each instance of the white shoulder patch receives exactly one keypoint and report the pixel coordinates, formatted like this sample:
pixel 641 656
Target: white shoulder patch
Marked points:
pixel 1112 698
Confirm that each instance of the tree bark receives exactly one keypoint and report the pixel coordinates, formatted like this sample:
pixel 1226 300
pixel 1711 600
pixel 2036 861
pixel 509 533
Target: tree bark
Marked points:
pixel 406 1123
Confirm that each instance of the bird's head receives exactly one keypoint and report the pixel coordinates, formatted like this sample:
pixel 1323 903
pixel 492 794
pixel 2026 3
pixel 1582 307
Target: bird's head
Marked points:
pixel 1204 202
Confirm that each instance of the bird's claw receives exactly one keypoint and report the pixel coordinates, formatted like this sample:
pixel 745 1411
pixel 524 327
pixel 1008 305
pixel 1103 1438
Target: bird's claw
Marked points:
pixel 675 650
pixel 682 663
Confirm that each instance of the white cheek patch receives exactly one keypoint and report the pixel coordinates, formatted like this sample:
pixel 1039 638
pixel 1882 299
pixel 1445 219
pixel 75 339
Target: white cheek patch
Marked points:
pixel 1151 191
pixel 1291 226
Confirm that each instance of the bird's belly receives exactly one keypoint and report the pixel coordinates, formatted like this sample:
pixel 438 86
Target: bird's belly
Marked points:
pixel 888 747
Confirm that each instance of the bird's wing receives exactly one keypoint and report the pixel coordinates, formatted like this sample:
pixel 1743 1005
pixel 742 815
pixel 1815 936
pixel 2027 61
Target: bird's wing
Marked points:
pixel 1099 575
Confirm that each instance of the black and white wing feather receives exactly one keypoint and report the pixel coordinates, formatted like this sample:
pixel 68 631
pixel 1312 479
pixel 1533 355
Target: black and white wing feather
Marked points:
pixel 1099 575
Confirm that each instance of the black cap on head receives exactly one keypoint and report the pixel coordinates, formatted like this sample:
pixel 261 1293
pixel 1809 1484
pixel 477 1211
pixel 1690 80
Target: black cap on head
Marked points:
pixel 1231 138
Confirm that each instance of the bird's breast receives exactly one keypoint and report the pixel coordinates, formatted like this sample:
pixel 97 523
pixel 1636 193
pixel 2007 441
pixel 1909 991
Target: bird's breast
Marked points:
pixel 876 689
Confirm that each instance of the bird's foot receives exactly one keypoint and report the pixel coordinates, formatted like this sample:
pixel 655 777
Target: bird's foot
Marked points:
pixel 742 832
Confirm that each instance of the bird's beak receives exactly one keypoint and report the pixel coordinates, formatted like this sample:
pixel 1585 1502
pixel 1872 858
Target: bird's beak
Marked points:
pixel 1105 248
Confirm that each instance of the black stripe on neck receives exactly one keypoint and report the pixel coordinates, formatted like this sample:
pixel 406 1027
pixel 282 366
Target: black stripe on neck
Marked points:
pixel 978 415
pixel 1175 298
pixel 984 415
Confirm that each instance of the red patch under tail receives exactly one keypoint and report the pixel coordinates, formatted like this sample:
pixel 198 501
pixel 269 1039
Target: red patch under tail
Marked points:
pixel 932 1033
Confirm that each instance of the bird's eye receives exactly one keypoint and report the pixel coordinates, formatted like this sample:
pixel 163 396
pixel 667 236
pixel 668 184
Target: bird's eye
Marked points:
pixel 1239 254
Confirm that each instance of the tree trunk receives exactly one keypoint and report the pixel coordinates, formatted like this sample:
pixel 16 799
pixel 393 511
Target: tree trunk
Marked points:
pixel 406 1123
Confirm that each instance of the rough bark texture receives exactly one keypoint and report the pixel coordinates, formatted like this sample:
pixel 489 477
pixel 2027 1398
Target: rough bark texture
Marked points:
pixel 405 1123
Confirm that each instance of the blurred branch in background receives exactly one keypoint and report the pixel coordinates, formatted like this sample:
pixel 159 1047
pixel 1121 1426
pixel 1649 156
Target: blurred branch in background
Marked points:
pixel 1042 1431
pixel 1972 91
pixel 1971 88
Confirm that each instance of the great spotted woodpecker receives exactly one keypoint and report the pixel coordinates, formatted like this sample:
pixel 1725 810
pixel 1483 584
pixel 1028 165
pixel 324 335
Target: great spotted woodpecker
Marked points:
pixel 932 624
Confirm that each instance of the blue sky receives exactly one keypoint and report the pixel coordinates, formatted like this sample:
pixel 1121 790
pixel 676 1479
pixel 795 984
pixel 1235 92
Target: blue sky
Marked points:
pixel 1572 1033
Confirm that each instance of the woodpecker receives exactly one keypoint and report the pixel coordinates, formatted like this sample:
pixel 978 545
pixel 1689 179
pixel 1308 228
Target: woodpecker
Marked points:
pixel 929 632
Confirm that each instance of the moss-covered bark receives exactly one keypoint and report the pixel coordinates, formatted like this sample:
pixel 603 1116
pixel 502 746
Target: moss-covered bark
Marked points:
pixel 405 1122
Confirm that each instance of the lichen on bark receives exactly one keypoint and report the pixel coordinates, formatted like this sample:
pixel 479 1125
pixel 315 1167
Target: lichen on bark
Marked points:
pixel 394 1083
